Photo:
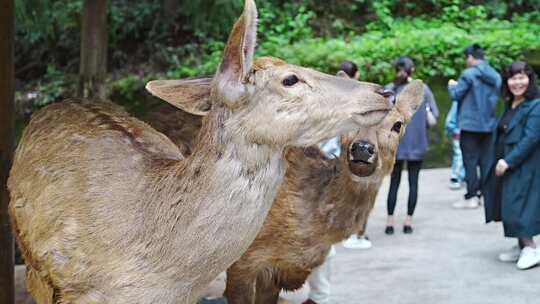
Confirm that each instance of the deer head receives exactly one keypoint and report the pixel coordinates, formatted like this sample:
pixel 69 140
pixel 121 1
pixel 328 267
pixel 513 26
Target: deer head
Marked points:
pixel 271 102
pixel 374 148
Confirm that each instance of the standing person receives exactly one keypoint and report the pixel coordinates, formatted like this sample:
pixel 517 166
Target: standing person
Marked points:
pixel 412 147
pixel 457 175
pixel 476 92
pixel 511 187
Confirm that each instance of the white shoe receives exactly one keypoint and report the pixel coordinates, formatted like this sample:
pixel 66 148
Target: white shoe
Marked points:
pixel 471 203
pixel 511 255
pixel 355 242
pixel 528 258
pixel 454 184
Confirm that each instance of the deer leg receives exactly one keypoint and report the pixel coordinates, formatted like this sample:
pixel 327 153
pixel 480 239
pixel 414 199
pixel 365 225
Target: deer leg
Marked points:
pixel 240 287
pixel 267 292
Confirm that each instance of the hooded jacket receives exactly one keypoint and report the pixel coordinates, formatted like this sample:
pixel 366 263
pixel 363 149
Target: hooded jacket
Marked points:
pixel 477 92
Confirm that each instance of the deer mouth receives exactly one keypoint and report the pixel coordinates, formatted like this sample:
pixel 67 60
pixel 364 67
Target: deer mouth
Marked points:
pixel 362 161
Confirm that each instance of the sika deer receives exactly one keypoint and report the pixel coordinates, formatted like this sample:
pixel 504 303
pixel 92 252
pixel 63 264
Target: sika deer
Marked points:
pixel 107 210
pixel 320 202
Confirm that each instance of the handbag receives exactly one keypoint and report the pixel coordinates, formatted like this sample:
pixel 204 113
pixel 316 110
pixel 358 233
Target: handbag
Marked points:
pixel 431 120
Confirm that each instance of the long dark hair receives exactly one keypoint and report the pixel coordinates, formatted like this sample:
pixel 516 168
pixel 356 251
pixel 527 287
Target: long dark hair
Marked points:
pixel 518 67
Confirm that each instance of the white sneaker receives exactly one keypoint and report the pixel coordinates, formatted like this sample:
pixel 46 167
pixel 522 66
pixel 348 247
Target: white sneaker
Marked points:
pixel 511 255
pixel 528 258
pixel 471 203
pixel 355 242
pixel 454 184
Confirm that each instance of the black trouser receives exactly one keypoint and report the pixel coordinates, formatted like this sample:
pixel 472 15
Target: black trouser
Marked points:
pixel 473 146
pixel 413 168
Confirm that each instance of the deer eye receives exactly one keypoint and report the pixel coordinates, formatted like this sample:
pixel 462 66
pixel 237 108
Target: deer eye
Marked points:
pixel 397 127
pixel 290 80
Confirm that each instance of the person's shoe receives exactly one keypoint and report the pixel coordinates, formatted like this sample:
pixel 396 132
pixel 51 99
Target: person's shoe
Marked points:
pixel 356 242
pixel 455 184
pixel 528 258
pixel 220 300
pixel 389 230
pixel 511 255
pixel 309 301
pixel 471 203
pixel 407 229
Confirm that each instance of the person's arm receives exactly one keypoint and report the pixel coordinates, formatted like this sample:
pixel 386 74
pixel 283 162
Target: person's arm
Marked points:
pixel 528 142
pixel 457 92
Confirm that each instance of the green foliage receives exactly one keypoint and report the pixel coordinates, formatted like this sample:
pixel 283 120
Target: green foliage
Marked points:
pixel 222 12
pixel 146 42
pixel 436 46
pixel 53 86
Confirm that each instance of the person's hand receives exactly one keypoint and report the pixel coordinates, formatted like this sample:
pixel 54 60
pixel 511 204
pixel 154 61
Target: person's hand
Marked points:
pixel 501 167
pixel 452 82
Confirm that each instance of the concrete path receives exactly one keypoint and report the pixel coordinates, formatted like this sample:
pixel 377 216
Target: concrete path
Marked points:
pixel 451 258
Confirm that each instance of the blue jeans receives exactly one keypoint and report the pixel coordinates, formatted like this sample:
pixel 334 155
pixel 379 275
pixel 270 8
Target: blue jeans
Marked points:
pixel 458 171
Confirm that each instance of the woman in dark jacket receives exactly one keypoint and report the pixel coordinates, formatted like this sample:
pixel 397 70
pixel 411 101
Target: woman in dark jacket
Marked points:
pixel 512 187
pixel 412 147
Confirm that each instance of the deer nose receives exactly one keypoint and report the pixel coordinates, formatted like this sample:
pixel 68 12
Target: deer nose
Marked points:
pixel 389 95
pixel 362 151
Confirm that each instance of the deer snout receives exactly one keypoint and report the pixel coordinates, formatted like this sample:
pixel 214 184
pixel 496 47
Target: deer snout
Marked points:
pixel 389 95
pixel 363 158
pixel 362 151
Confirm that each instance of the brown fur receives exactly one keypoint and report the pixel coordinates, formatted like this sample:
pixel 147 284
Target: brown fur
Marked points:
pixel 319 203
pixel 179 126
pixel 108 210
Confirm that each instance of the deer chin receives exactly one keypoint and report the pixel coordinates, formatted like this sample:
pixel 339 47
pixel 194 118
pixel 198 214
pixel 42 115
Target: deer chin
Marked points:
pixel 362 168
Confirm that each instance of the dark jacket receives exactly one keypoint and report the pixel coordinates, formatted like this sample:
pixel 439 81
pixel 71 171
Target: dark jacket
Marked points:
pixel 414 143
pixel 477 93
pixel 520 201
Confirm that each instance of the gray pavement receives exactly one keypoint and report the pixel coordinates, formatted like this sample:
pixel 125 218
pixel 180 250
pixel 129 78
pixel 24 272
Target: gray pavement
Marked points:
pixel 450 258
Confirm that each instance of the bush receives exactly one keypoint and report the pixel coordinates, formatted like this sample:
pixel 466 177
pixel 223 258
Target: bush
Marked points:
pixel 436 45
pixel 313 33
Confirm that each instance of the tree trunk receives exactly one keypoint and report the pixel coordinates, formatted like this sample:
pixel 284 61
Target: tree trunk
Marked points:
pixel 7 25
pixel 93 67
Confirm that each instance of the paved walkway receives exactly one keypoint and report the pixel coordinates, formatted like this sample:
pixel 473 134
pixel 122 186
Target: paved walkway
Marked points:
pixel 450 258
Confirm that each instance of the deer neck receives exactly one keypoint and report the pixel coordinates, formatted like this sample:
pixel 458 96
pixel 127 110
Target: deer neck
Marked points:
pixel 221 194
pixel 350 198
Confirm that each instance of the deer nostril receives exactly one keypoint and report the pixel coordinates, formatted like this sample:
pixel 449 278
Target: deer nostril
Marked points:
pixel 387 94
pixel 367 148
pixel 370 149
pixel 362 149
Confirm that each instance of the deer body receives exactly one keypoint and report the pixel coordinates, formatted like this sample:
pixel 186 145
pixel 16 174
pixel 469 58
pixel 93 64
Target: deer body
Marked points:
pixel 321 201
pixel 107 210
pixel 153 198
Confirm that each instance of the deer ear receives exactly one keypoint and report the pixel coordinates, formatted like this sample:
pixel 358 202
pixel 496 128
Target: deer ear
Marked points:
pixel 238 56
pixel 189 95
pixel 408 100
